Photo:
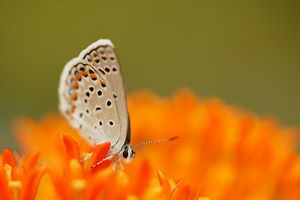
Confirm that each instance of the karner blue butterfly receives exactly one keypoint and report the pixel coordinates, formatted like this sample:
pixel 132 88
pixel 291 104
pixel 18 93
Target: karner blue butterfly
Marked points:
pixel 93 99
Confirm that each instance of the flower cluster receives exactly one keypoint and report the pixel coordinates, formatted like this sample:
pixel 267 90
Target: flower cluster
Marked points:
pixel 19 181
pixel 221 152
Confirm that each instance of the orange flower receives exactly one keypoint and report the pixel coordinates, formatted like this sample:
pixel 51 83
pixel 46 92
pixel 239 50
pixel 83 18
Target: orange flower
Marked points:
pixel 71 179
pixel 79 180
pixel 222 152
pixel 19 181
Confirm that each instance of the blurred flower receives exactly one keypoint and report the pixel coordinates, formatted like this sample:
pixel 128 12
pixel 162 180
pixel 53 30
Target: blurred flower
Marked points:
pixel 19 181
pixel 72 179
pixel 222 153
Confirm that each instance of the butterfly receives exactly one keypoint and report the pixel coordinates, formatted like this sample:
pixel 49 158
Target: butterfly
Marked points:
pixel 93 99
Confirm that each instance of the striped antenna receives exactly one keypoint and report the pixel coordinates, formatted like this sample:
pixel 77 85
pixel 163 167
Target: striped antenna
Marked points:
pixel 155 141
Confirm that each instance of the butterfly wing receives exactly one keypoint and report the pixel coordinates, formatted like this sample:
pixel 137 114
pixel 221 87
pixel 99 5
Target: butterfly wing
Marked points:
pixel 93 98
pixel 103 57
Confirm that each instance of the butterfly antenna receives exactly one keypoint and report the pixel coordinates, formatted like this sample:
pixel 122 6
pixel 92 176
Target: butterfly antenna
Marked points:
pixel 155 141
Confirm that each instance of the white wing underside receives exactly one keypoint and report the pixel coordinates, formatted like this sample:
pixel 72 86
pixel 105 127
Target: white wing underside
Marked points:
pixel 89 110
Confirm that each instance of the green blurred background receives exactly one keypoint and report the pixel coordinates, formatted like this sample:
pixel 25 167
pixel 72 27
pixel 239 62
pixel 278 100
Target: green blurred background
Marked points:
pixel 244 52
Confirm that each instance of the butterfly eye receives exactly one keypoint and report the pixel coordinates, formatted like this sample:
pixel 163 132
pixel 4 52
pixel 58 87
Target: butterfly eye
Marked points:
pixel 125 153
pixel 128 153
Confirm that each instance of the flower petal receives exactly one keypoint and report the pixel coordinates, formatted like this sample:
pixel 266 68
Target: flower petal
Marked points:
pixel 30 161
pixel 8 158
pixel 4 188
pixel 182 191
pixel 163 181
pixel 99 153
pixel 31 182
pixel 98 185
pixel 62 184
pixel 71 148
pixel 142 178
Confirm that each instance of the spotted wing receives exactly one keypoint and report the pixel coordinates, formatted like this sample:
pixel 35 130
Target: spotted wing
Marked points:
pixel 87 101
pixel 102 56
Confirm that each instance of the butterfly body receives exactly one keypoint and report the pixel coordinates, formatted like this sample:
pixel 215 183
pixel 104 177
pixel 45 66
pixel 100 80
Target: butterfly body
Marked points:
pixel 93 99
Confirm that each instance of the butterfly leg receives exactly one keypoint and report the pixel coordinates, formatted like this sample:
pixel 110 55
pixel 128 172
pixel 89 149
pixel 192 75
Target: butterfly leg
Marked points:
pixel 117 165
pixel 86 157
pixel 101 161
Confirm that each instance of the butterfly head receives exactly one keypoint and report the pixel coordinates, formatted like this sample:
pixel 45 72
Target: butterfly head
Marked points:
pixel 127 153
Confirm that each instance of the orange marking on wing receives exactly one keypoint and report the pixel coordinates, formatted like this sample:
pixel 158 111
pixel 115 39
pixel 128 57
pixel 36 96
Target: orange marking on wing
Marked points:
pixel 72 109
pixel 93 76
pixel 78 78
pixel 85 74
pixel 75 85
pixel 74 96
pixel 102 82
